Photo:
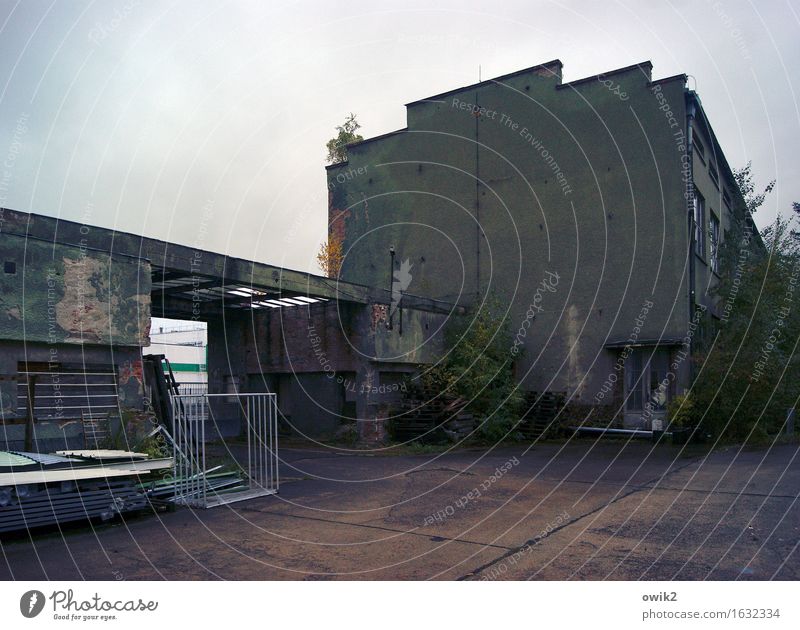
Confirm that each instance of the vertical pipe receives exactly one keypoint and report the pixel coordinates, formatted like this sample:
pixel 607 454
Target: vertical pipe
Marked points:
pixel 691 201
pixel 391 286
pixel 477 203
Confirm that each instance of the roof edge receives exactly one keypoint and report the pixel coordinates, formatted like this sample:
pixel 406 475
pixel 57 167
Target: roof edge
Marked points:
pixel 595 77
pixel 538 66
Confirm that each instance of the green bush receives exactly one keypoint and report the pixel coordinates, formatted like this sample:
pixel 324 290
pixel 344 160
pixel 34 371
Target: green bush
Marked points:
pixel 748 368
pixel 681 412
pixel 479 369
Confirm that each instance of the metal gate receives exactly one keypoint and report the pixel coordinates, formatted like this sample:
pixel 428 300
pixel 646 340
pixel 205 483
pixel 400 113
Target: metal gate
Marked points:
pixel 198 485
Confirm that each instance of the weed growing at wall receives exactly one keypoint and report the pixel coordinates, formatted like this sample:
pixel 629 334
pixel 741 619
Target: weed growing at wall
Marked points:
pixel 480 369
pixel 748 370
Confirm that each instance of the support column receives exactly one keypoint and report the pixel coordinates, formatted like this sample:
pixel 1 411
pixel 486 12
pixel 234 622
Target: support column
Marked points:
pixel 371 418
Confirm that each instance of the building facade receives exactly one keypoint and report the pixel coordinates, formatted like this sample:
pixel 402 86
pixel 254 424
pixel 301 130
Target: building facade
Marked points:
pixel 73 320
pixel 593 208
pixel 76 305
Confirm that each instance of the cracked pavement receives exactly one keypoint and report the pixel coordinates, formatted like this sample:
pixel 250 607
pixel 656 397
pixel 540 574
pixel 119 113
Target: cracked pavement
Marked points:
pixel 576 510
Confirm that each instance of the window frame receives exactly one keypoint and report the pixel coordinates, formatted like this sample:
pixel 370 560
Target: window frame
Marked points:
pixel 699 225
pixel 700 149
pixel 713 173
pixel 714 234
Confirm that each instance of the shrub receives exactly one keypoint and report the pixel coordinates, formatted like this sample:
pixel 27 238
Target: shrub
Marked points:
pixel 479 369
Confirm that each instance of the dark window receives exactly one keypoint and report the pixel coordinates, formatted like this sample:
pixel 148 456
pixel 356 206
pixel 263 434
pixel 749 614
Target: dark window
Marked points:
pixel 699 225
pixel 633 378
pixel 726 199
pixel 712 173
pixel 699 149
pixel 713 240
pixel 10 266
pixel 646 383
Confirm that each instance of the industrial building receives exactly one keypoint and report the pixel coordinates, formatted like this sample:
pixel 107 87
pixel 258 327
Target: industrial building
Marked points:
pixel 594 208
pixel 76 304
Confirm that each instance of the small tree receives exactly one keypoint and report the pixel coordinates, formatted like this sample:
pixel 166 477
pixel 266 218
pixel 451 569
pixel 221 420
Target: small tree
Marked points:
pixel 744 179
pixel 479 368
pixel 748 372
pixel 337 147
pixel 330 256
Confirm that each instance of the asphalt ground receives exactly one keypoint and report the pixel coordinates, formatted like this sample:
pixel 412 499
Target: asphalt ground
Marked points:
pixel 585 510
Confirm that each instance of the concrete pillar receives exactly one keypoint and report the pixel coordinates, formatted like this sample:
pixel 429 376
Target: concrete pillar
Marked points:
pixel 227 370
pixel 371 418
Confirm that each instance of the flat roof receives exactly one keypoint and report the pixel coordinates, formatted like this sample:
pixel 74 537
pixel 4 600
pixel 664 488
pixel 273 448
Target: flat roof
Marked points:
pixel 183 274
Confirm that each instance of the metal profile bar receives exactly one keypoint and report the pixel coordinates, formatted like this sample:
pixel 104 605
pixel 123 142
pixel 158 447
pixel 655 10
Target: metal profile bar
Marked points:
pixel 69 373
pixel 71 384
pixel 275 430
pixel 74 407
pixel 203 446
pixel 78 395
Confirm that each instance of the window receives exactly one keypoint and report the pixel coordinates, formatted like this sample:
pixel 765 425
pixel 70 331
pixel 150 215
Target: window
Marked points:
pixel 646 383
pixel 713 240
pixel 699 225
pixel 712 173
pixel 699 149
pixel 633 381
pixel 10 267
pixel 726 199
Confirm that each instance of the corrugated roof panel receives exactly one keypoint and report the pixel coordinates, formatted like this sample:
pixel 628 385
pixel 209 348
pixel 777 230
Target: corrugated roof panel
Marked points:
pixel 46 459
pixel 8 459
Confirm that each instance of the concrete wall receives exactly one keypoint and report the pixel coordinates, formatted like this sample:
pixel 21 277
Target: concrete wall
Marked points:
pixel 69 310
pixel 566 200
pixel 57 293
pixel 330 363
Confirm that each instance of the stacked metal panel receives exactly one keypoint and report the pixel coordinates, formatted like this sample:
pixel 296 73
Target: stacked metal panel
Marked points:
pixel 36 505
pixel 47 489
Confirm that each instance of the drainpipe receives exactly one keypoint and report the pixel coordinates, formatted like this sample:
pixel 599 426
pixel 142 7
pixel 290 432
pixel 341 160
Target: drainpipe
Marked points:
pixel 690 113
pixel 477 204
pixel 391 285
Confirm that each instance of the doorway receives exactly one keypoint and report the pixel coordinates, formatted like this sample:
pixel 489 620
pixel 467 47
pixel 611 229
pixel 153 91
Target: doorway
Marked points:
pixel 647 391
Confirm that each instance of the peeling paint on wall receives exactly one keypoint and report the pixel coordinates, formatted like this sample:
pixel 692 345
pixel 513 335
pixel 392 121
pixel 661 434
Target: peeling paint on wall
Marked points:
pixel 68 294
pixel 573 325
pixel 379 316
pixel 337 227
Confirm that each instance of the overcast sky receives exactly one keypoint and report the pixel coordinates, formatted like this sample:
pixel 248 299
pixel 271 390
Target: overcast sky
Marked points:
pixel 204 122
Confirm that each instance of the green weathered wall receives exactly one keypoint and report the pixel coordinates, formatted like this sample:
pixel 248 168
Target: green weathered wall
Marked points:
pixel 613 226
pixel 65 294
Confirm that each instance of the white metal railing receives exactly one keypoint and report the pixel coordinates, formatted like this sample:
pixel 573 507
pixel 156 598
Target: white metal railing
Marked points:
pixel 197 485
pixel 192 389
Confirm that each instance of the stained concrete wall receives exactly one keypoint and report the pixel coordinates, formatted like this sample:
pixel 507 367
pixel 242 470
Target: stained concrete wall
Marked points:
pixel 57 293
pixel 330 363
pixel 66 308
pixel 566 200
